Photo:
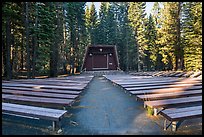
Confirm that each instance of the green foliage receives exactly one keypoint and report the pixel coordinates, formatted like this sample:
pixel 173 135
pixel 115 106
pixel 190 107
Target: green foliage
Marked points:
pixel 46 25
pixel 192 35
pixel 91 18
pixel 152 48
pixel 136 15
pixel 58 33
pixel 169 34
pixel 102 26
pixel 75 18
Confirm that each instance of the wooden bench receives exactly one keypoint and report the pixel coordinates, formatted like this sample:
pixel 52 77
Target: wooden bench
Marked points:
pixel 44 86
pixel 188 74
pixel 155 104
pixel 180 74
pixel 47 83
pixel 165 90
pixel 46 101
pixel 168 95
pixel 39 94
pixel 162 86
pixel 153 81
pixel 144 80
pixel 160 83
pixel 34 112
pixel 178 115
pixel 72 92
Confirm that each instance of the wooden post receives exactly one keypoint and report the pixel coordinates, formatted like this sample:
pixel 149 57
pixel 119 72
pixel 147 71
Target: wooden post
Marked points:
pixel 145 105
pixel 165 127
pixel 54 124
pixel 174 126
pixel 155 112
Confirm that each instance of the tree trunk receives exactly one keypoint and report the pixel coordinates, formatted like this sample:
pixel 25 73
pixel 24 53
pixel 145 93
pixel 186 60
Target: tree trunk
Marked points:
pixel 178 46
pixel 35 44
pixel 127 56
pixel 138 59
pixel 14 58
pixel 27 42
pixel 3 56
pixel 64 42
pixel 8 70
pixel 54 48
pixel 21 62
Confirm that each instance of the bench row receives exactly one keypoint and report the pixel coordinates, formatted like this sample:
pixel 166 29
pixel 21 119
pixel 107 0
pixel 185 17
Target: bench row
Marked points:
pixel 52 92
pixel 169 74
pixel 161 93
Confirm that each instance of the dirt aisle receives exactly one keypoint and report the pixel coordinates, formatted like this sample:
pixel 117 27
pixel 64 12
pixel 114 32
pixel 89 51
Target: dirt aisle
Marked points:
pixel 106 109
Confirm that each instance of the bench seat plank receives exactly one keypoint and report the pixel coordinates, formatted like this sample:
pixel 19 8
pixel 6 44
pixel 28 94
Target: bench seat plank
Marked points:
pixel 125 82
pixel 37 99
pixel 165 90
pixel 44 86
pixel 54 80
pixel 50 110
pixel 179 110
pixel 39 112
pixel 143 81
pixel 184 115
pixel 73 92
pixel 169 95
pixel 176 101
pixel 156 84
pixel 46 82
pixel 162 86
pixel 40 94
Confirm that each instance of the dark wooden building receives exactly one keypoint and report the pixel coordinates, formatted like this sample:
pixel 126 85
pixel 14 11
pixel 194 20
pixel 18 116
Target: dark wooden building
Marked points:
pixel 100 57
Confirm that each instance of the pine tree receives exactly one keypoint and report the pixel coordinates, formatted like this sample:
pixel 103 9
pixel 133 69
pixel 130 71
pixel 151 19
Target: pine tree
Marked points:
pixel 93 23
pixel 56 37
pixel 28 65
pixel 102 26
pixel 169 32
pixel 152 49
pixel 156 14
pixel 123 35
pixel 136 15
pixel 192 35
pixel 8 48
pixel 87 24
pixel 76 26
pixel 6 39
pixel 15 12
pixel 111 25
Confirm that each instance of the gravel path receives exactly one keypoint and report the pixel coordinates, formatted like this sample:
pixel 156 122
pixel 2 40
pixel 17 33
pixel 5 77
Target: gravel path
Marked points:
pixel 106 109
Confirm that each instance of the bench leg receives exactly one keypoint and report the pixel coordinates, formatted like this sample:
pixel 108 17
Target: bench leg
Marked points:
pixel 165 124
pixel 54 124
pixel 165 127
pixel 174 126
pixel 145 105
pixel 155 112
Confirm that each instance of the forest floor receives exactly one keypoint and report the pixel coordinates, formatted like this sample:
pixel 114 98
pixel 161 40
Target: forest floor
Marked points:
pixel 103 109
